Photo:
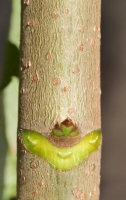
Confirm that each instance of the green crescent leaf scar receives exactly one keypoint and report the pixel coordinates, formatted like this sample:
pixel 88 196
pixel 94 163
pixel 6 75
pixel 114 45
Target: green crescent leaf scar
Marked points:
pixel 64 158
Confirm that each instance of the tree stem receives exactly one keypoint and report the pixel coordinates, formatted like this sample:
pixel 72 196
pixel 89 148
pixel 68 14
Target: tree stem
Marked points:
pixel 59 80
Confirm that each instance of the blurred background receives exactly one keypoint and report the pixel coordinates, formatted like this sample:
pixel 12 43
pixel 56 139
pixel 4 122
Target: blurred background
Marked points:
pixel 113 84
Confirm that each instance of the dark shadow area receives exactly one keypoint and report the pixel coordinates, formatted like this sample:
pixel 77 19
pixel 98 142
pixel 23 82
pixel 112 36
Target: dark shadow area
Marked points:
pixel 5 11
pixel 11 64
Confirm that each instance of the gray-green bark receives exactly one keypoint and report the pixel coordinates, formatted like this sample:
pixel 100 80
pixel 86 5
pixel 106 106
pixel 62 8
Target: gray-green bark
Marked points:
pixel 59 79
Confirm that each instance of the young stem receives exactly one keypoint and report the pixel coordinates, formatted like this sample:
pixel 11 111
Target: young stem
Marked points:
pixel 59 80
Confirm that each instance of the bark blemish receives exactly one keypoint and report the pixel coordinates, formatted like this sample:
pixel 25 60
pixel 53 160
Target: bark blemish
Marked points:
pixel 55 15
pixel 81 30
pixel 31 23
pixel 24 151
pixel 41 184
pixel 85 91
pixel 76 70
pixel 95 89
pixel 56 81
pixel 21 68
pixel 95 29
pixel 66 89
pixel 28 64
pixel 20 172
pixel 33 165
pixel 35 192
pixel 26 2
pixel 91 82
pixel 92 42
pixel 80 47
pixel 23 180
pixel 41 69
pixel 66 11
pixel 35 77
pixel 20 137
pixel 90 194
pixel 48 56
pixel 22 91
pixel 93 167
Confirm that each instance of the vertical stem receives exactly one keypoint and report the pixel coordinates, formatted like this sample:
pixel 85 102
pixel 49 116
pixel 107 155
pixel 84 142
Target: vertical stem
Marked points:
pixel 59 79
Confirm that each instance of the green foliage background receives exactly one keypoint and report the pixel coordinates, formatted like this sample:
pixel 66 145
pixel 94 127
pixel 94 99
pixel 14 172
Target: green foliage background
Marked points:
pixel 9 108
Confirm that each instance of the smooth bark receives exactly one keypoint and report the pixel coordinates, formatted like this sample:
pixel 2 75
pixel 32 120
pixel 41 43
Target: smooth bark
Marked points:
pixel 59 79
